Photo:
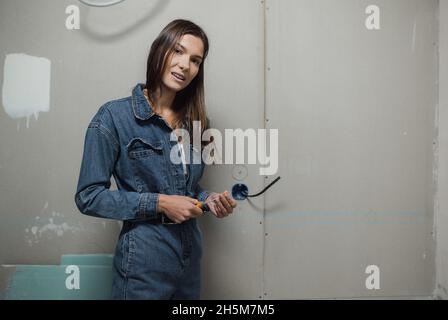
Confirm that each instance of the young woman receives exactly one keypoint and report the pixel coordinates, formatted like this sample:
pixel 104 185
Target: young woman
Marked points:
pixel 159 248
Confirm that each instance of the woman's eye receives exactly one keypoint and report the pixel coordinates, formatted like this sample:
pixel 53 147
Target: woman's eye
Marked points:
pixel 177 51
pixel 197 62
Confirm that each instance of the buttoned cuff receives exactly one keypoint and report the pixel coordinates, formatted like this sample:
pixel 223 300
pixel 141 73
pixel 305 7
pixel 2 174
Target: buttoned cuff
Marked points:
pixel 203 195
pixel 148 206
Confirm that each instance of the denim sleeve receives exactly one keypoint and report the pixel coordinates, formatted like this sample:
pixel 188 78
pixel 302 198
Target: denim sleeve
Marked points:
pixel 93 197
pixel 200 193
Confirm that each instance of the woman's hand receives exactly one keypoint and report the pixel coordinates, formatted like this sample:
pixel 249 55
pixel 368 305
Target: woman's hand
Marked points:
pixel 221 204
pixel 178 208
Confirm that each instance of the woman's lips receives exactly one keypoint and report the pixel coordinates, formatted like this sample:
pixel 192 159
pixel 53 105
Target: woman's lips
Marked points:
pixel 178 77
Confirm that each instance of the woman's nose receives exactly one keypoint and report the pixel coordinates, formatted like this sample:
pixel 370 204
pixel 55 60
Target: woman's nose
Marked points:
pixel 184 63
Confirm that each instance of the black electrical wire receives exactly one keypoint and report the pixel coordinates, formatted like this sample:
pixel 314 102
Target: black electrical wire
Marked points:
pixel 264 190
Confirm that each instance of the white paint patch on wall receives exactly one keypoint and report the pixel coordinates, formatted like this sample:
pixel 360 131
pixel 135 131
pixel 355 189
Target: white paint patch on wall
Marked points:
pixel 26 86
pixel 52 229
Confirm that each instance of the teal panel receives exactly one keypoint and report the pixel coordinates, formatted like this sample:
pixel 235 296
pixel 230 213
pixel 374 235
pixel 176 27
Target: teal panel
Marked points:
pixel 49 282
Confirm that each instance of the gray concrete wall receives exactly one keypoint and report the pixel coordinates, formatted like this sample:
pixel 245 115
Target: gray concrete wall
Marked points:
pixel 356 112
pixel 356 148
pixel 441 204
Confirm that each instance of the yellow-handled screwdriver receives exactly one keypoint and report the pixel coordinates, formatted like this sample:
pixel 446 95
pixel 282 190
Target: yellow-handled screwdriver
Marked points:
pixel 203 206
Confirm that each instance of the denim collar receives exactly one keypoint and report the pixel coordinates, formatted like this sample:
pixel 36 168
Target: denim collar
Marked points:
pixel 142 109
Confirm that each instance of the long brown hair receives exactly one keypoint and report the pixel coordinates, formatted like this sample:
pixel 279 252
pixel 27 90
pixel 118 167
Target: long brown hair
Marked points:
pixel 190 101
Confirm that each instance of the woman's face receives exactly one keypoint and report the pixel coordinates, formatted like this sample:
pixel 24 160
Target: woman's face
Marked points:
pixel 183 65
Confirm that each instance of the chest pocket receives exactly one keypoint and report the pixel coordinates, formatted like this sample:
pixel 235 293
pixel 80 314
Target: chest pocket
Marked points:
pixel 142 148
pixel 148 162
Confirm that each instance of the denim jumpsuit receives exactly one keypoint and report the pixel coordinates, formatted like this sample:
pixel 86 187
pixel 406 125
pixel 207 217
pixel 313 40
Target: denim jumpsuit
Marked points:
pixel 152 260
